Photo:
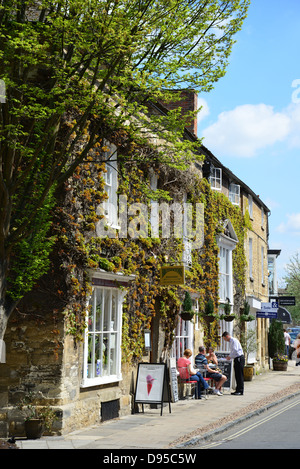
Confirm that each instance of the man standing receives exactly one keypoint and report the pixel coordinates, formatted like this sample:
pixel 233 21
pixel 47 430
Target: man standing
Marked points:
pixel 237 355
pixel 287 342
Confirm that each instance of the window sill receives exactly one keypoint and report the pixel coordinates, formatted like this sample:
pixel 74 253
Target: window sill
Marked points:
pixel 91 382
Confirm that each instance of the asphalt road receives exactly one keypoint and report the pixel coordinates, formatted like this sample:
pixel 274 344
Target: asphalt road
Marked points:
pixel 276 428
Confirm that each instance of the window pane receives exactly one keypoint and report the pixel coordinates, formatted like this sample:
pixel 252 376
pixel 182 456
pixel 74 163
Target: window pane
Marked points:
pixel 105 354
pixel 107 307
pixel 103 331
pixel 98 312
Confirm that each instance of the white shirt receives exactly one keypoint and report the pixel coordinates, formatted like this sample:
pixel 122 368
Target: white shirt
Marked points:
pixel 235 348
pixel 287 338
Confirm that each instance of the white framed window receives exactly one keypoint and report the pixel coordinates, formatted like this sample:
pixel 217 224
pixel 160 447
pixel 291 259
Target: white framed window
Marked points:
pixel 250 205
pixel 224 273
pixel 184 338
pixel 262 217
pixel 234 194
pixel 227 243
pixel 216 178
pixel 102 347
pixel 110 205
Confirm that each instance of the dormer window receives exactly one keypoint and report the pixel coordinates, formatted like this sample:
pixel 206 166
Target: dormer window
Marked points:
pixel 216 178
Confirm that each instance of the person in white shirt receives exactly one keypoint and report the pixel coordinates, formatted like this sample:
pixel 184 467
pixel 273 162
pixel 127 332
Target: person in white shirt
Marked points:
pixel 237 355
pixel 287 342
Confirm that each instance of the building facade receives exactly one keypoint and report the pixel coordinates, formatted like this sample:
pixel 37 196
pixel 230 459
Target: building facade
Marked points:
pixel 83 361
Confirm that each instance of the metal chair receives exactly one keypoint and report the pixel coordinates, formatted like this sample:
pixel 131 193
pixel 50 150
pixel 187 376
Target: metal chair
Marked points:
pixel 185 379
pixel 209 381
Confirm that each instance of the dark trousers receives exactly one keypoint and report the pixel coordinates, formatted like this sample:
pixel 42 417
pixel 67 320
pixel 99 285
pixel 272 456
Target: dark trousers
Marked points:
pixel 239 364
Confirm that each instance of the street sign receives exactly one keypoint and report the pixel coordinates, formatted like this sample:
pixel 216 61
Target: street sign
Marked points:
pixel 284 300
pixel 266 314
pixel 287 300
pixel 268 310
pixel 271 307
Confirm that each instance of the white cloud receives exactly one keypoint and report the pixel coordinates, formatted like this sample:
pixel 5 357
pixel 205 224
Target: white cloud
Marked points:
pixel 204 112
pixel 291 226
pixel 247 129
pixel 293 112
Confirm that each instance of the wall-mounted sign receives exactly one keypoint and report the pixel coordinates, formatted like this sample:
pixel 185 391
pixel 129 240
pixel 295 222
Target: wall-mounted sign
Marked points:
pixel 284 300
pixel 172 275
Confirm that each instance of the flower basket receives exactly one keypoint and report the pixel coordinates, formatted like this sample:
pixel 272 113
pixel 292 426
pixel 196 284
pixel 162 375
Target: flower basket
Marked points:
pixel 279 366
pixel 280 362
pixel 187 315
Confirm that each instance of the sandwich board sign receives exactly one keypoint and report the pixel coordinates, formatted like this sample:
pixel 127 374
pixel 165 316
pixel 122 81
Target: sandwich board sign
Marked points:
pixel 152 385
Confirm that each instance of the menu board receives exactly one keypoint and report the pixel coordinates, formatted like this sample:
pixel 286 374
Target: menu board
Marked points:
pixel 226 367
pixel 173 379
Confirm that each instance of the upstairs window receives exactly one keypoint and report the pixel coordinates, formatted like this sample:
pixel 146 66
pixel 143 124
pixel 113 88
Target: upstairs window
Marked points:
pixel 110 206
pixel 250 205
pixel 234 194
pixel 216 178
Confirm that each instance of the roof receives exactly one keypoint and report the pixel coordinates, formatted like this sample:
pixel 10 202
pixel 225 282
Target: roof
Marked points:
pixel 162 109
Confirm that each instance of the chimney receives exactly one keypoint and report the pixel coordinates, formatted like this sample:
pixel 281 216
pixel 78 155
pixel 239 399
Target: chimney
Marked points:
pixel 188 102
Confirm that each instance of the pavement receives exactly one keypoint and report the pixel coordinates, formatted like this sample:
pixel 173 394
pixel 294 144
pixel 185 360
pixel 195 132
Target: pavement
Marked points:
pixel 189 420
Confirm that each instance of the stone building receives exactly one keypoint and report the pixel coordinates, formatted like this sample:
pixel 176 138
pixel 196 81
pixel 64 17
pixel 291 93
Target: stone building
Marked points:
pixel 92 379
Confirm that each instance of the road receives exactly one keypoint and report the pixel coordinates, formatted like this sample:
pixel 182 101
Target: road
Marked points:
pixel 276 428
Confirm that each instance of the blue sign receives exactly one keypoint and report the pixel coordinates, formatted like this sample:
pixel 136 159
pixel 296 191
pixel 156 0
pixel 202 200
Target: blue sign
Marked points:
pixel 266 314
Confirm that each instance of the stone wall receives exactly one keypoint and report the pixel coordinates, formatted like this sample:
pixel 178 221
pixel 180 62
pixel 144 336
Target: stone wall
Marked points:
pixel 41 359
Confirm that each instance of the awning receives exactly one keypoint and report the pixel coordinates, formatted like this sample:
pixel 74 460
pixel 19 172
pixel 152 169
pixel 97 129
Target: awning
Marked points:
pixel 283 315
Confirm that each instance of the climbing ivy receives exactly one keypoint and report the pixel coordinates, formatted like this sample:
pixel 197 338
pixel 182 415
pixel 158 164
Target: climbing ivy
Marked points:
pixel 78 249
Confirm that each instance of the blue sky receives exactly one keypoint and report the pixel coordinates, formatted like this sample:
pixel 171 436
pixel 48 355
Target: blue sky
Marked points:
pixel 251 120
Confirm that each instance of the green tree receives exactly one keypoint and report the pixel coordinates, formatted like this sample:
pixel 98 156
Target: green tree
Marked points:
pixel 275 338
pixel 81 73
pixel 292 280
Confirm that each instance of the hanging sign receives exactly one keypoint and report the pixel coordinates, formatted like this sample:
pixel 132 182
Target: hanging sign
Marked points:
pixel 268 310
pixel 172 275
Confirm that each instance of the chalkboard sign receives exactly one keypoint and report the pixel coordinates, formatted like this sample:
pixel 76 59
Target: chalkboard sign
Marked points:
pixel 226 367
pixel 173 379
pixel 152 385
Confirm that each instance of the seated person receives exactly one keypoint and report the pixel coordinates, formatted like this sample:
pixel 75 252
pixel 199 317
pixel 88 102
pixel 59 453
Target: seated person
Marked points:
pixel 211 356
pixel 201 360
pixel 188 373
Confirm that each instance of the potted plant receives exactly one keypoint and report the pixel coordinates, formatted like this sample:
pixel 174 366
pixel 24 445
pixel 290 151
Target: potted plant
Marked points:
pixel 209 311
pixel 276 346
pixel 249 344
pixel 227 316
pixel 37 419
pixel 187 307
pixel 280 362
pixel 245 313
